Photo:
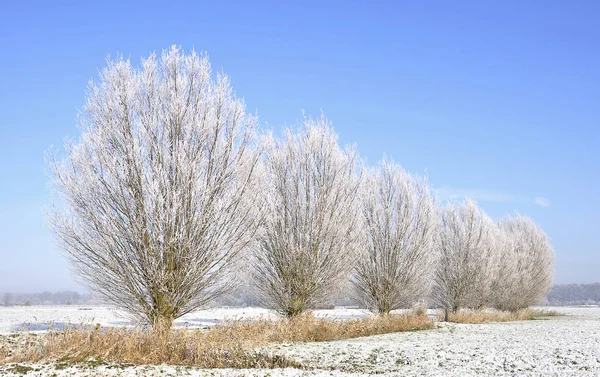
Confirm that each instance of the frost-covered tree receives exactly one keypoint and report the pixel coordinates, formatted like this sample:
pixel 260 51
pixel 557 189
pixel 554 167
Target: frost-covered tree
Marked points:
pixel 158 192
pixel 467 244
pixel 396 263
pixel 525 265
pixel 309 240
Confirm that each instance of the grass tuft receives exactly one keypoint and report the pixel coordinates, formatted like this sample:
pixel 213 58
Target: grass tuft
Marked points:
pixel 229 345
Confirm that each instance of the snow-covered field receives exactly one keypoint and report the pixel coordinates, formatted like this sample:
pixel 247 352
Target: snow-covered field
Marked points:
pixel 558 346
pixel 40 318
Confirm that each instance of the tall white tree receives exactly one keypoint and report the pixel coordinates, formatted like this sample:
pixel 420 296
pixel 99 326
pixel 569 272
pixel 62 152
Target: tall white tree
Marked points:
pixel 526 264
pixel 309 241
pixel 467 245
pixel 399 234
pixel 158 193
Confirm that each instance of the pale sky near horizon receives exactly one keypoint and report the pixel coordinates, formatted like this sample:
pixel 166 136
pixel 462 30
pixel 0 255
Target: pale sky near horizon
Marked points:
pixel 498 101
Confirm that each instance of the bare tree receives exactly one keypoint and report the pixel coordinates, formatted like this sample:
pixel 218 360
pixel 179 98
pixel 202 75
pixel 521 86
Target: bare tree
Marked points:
pixel 308 243
pixel 158 193
pixel 400 216
pixel 524 274
pixel 467 245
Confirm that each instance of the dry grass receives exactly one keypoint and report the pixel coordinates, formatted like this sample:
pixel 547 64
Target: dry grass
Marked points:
pixel 490 315
pixel 230 345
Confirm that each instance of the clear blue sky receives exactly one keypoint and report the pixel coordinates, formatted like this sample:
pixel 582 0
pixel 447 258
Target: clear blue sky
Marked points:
pixel 498 100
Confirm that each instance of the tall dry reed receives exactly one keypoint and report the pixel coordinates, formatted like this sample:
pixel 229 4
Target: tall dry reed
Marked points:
pixel 229 345
pixel 491 315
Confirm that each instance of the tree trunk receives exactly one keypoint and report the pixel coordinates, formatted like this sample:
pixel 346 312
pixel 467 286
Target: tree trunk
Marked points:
pixel 162 324
pixel 296 307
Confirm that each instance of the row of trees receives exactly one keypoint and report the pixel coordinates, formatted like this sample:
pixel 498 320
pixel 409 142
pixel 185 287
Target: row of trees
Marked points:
pixel 170 191
pixel 506 265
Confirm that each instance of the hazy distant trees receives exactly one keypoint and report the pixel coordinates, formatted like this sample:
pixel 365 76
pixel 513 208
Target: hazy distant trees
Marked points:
pixel 309 240
pixel 7 299
pixel 574 294
pixel 158 192
pixel 46 298
pixel 398 253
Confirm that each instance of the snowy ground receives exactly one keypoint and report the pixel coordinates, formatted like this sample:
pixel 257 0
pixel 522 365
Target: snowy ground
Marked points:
pixel 40 318
pixel 559 346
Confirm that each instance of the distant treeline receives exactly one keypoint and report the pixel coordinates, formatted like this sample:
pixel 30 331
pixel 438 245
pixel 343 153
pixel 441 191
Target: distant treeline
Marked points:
pixel 575 294
pixel 561 294
pixel 45 298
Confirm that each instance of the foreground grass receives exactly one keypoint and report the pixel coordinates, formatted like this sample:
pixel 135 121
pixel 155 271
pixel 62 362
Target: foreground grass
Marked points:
pixel 230 345
pixel 490 315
